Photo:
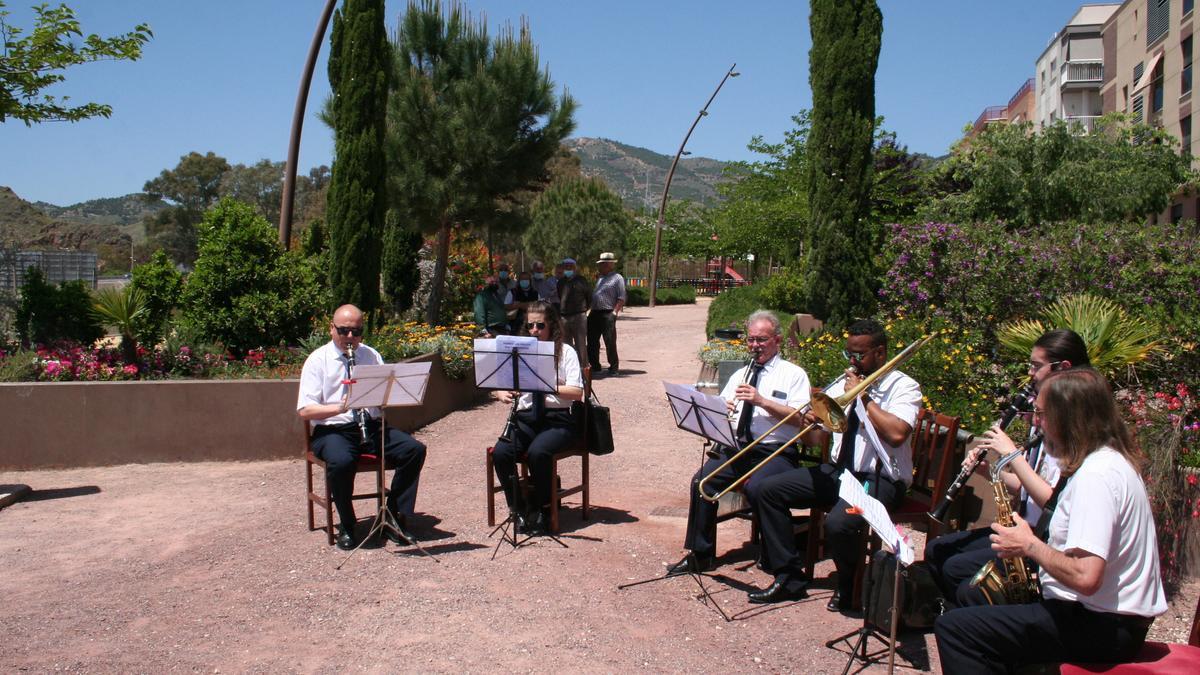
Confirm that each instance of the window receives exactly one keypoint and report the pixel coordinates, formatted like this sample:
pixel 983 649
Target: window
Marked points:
pixel 1157 19
pixel 1185 78
pixel 1185 136
pixel 1188 5
pixel 1156 86
pixel 1138 105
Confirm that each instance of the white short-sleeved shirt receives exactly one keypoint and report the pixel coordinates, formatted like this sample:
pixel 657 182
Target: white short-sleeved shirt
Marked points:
pixel 899 395
pixel 569 374
pixel 1046 467
pixel 321 379
pixel 781 381
pixel 1104 510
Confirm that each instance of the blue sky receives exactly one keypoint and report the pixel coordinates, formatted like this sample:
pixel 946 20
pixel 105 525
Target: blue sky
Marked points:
pixel 222 76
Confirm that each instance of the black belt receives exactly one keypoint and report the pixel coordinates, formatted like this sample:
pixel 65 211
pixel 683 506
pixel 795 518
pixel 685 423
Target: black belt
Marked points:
pixel 601 311
pixel 574 313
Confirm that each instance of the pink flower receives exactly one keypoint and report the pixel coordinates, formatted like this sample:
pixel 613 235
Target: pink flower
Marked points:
pixel 130 369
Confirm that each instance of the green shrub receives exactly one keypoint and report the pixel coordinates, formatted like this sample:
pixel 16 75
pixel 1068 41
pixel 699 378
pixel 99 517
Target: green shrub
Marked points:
pixel 785 292
pixel 48 313
pixel 246 291
pixel 639 296
pixel 730 309
pixel 160 284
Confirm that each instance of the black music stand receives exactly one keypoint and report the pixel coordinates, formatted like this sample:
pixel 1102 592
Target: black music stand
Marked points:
pixel 706 416
pixel 516 363
pixel 387 386
pixel 878 521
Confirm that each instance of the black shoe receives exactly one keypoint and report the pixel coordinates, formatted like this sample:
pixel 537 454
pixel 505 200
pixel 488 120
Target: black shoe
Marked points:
pixel 839 602
pixel 537 523
pixel 780 590
pixel 346 540
pixel 693 563
pixel 612 371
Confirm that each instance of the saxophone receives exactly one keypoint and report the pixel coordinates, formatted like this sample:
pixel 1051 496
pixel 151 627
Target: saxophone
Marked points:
pixel 1015 585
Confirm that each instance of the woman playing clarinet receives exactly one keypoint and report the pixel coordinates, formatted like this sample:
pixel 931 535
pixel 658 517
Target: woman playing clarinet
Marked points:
pixel 536 431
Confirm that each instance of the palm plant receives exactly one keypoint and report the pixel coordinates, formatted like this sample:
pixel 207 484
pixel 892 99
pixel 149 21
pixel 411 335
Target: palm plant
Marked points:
pixel 121 308
pixel 1114 339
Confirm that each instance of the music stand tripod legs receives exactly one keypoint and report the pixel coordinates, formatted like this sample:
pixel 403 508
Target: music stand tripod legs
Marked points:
pixel 384 520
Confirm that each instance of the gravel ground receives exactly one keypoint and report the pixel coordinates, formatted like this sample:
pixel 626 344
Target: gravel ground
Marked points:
pixel 189 567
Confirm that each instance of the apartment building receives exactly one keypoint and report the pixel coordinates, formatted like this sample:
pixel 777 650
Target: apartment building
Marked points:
pixel 1070 71
pixel 1020 108
pixel 1148 55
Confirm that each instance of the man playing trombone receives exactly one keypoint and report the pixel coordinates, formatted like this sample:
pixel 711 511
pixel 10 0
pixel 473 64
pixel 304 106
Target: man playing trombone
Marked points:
pixel 767 390
pixel 891 403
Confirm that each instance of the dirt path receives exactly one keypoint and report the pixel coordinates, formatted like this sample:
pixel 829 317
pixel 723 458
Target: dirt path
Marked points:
pixel 173 567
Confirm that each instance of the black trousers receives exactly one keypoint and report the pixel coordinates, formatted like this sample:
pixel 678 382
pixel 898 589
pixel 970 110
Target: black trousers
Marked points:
pixel 602 323
pixel 338 446
pixel 998 639
pixel 955 558
pixel 817 486
pixel 537 441
pixel 701 534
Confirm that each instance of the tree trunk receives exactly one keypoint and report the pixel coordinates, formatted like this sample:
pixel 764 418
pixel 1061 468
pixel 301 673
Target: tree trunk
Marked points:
pixel 433 314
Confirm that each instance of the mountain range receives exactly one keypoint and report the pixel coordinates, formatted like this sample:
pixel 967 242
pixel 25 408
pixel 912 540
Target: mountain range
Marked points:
pixel 636 174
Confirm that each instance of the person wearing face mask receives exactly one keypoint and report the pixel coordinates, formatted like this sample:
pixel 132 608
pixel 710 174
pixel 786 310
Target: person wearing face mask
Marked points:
pixel 490 314
pixel 523 295
pixel 545 284
pixel 504 277
pixel 336 434
pixel 575 298
pixel 955 558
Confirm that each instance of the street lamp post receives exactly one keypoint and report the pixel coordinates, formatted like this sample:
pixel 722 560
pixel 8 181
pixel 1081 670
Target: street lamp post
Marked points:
pixel 662 207
pixel 289 172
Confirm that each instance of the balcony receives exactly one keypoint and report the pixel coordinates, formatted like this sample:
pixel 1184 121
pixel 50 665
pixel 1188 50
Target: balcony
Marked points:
pixel 1081 124
pixel 1082 74
pixel 995 113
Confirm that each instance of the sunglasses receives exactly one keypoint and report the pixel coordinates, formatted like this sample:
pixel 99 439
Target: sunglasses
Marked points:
pixel 349 330
pixel 540 325
pixel 1054 365
pixel 854 356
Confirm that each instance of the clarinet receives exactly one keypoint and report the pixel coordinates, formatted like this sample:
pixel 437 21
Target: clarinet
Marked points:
pixel 506 435
pixel 1021 402
pixel 364 437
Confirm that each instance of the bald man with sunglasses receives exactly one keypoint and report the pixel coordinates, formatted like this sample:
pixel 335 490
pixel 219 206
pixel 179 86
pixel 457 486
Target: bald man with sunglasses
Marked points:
pixel 336 434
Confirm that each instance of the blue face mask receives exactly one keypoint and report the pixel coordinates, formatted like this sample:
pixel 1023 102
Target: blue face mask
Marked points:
pixel 539 276
pixel 524 283
pixel 568 273
pixel 503 275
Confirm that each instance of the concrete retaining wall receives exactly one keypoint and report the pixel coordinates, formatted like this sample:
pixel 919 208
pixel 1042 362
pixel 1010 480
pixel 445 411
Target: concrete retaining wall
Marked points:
pixel 74 424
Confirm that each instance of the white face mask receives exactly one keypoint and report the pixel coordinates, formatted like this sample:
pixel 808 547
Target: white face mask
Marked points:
pixel 539 276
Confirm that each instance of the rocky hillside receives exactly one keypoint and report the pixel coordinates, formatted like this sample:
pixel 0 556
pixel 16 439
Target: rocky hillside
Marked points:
pixel 637 174
pixel 23 225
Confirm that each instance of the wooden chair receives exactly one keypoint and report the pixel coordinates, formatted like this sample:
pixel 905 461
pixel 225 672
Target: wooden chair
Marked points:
pixel 366 464
pixel 557 493
pixel 936 458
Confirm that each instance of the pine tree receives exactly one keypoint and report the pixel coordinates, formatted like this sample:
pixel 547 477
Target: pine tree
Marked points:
pixel 359 62
pixel 471 120
pixel 839 269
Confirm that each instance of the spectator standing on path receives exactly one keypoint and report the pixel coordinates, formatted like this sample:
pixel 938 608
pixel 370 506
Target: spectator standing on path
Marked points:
pixel 608 299
pixel 575 297
pixel 523 296
pixel 546 286
pixel 490 315
pixel 504 277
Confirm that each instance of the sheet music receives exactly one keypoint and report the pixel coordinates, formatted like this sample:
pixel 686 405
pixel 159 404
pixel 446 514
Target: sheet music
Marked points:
pixel 702 414
pixel 407 385
pixel 876 515
pixel 493 363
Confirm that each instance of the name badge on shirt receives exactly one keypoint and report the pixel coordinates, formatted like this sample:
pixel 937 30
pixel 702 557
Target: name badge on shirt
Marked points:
pixel 779 394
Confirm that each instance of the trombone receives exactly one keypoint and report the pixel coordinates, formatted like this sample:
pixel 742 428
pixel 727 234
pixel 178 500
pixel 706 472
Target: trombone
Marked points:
pixel 829 411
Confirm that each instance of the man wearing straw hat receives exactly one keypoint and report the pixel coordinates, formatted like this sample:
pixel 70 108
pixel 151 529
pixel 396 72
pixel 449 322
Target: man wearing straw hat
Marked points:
pixel 608 299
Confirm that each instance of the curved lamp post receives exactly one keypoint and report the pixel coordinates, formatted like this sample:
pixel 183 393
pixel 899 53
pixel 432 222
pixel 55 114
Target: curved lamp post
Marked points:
pixel 289 174
pixel 662 207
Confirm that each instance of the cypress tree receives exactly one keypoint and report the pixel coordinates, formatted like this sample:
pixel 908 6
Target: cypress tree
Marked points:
pixel 359 62
pixel 839 269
